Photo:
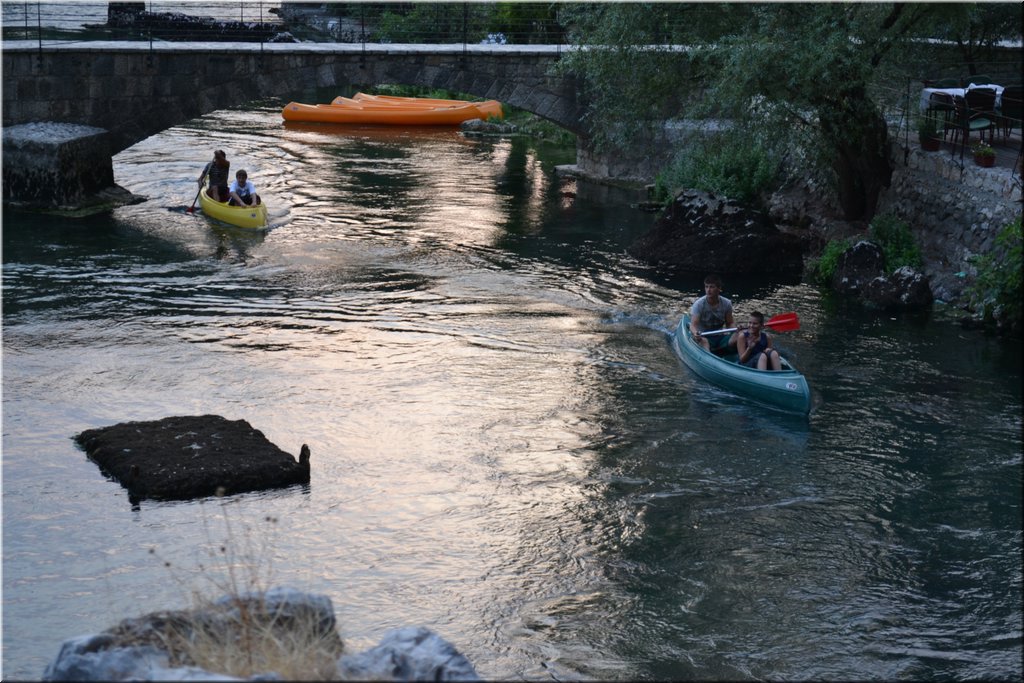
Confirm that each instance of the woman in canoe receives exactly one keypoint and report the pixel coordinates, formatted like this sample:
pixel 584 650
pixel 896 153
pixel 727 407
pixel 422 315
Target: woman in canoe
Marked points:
pixel 217 171
pixel 754 345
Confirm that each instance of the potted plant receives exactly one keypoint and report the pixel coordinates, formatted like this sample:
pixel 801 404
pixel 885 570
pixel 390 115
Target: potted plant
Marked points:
pixel 984 155
pixel 927 133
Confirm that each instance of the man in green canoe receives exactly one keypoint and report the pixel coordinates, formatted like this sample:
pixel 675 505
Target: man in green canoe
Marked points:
pixel 712 312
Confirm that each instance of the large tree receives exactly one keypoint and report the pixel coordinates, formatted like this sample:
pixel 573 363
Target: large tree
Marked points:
pixel 802 69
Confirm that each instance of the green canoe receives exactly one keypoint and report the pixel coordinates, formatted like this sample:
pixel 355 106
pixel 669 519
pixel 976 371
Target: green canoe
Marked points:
pixel 786 389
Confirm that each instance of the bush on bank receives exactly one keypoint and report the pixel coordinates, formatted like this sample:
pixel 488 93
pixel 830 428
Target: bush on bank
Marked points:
pixel 995 293
pixel 893 237
pixel 733 164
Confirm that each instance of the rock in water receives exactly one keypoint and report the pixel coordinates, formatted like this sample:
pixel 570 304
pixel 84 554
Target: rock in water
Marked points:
pixel 180 458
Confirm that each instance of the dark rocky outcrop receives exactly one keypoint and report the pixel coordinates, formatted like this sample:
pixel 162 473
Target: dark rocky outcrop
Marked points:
pixel 904 289
pixel 180 458
pixel 860 273
pixel 856 267
pixel 700 233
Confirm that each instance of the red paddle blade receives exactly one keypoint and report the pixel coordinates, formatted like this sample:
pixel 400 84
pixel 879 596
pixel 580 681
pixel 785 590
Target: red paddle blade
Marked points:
pixel 784 322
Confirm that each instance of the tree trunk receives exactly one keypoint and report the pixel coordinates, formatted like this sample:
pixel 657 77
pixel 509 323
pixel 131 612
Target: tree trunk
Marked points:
pixel 857 133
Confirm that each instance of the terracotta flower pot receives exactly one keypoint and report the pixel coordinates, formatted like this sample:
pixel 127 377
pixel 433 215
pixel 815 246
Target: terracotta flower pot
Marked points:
pixel 984 161
pixel 931 144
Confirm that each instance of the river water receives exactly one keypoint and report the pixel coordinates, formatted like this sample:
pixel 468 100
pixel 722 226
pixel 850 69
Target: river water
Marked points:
pixel 504 448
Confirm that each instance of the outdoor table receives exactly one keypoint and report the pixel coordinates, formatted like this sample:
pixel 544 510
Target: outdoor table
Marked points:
pixel 926 93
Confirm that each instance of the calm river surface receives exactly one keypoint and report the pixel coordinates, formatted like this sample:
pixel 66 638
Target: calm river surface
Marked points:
pixel 505 449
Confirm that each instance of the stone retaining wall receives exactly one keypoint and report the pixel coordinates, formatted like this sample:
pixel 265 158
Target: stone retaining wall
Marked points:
pixel 954 214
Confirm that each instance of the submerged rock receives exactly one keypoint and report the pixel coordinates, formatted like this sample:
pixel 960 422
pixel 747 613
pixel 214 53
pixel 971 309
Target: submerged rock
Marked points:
pixel 179 458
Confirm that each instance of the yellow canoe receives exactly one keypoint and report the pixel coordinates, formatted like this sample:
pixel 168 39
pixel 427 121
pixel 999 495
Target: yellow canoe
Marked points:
pixel 239 216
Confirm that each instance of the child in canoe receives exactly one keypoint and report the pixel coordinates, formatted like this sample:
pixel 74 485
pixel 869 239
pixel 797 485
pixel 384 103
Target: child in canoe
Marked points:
pixel 242 191
pixel 754 345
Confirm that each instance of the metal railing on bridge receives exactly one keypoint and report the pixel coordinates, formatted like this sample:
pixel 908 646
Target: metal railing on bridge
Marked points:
pixel 466 23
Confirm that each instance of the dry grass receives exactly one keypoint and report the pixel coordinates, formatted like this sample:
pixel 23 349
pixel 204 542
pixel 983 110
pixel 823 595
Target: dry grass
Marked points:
pixel 244 633
pixel 244 637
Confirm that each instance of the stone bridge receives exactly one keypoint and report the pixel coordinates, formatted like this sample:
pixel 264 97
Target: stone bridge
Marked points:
pixel 131 90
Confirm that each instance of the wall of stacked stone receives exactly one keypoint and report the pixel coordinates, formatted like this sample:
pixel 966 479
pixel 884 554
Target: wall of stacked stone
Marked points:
pixel 953 213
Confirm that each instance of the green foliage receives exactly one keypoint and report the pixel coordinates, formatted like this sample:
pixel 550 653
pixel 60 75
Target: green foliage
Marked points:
pixel 434 22
pixel 977 29
pixel 455 22
pixel 823 268
pixel 733 164
pixel 746 62
pixel 897 243
pixel 996 291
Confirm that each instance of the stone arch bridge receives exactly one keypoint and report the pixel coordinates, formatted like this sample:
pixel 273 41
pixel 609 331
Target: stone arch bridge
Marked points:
pixel 118 93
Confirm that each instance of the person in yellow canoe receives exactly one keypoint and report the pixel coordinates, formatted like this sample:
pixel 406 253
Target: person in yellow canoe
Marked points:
pixel 242 191
pixel 217 172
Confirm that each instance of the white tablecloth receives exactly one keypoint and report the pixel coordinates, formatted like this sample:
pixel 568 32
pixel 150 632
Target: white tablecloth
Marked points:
pixel 926 93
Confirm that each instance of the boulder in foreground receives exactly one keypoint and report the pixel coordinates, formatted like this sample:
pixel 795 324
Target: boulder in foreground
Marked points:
pixel 180 458
pixel 164 646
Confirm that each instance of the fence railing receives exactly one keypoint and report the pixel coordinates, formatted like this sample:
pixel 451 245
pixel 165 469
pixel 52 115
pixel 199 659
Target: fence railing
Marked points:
pixel 463 23
pixel 900 98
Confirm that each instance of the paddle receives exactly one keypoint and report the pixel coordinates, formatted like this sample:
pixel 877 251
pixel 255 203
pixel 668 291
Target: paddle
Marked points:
pixel 192 209
pixel 783 322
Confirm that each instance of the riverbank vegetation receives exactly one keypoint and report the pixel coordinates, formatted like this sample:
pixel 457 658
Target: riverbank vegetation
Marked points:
pixel 892 236
pixel 813 88
pixel 996 293
pixel 735 164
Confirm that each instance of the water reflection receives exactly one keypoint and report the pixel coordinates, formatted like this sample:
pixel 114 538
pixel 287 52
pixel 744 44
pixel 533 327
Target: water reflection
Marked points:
pixel 505 448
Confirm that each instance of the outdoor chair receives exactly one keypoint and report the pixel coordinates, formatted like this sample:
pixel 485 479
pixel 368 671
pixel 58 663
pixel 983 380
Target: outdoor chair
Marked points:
pixel 980 79
pixel 968 119
pixel 1010 111
pixel 942 108
pixel 981 103
pixel 947 83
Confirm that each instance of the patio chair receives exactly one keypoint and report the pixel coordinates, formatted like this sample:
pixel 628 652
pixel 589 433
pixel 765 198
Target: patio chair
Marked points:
pixel 981 103
pixel 969 119
pixel 979 79
pixel 1010 109
pixel 942 108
